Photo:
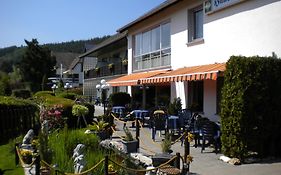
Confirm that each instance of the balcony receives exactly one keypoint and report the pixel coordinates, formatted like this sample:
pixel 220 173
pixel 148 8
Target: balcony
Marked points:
pixel 103 71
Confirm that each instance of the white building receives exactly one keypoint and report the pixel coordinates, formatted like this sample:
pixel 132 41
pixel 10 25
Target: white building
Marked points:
pixel 188 33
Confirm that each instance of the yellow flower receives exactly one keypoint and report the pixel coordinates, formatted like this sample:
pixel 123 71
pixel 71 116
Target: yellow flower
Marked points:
pixel 190 137
pixel 110 168
pixel 189 158
pixel 25 152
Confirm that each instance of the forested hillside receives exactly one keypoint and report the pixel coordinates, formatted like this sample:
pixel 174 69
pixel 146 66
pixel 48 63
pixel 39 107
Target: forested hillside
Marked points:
pixel 10 56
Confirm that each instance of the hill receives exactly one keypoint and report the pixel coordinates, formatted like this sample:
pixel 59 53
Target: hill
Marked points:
pixel 10 56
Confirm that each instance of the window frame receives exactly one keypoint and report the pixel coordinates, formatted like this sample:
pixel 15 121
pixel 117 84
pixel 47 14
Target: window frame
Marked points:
pixel 192 40
pixel 139 65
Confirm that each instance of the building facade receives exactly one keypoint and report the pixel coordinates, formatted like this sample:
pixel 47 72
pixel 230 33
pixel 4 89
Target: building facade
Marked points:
pixel 192 33
pixel 111 62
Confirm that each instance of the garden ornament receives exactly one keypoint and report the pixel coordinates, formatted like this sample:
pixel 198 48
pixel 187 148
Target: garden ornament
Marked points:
pixel 78 156
pixel 28 137
pixel 45 127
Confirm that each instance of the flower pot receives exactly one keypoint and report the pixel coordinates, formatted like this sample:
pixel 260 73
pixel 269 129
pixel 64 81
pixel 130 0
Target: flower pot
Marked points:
pixel 45 171
pixel 103 135
pixel 159 159
pixel 27 159
pixel 112 172
pixel 130 146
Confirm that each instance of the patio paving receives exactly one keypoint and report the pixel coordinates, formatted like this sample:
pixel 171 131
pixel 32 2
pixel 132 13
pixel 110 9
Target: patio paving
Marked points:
pixel 206 163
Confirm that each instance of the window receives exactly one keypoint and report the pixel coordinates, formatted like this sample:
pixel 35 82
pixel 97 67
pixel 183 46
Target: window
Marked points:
pixel 195 23
pixel 152 48
pixel 195 95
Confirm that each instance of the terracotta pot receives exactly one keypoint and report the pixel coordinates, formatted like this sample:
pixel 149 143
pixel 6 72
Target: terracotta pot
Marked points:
pixel 112 172
pixel 45 171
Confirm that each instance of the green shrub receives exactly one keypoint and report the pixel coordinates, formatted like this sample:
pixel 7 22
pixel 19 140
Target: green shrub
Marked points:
pixel 77 91
pixel 175 107
pixel 14 110
pixel 43 93
pixel 21 93
pixel 250 107
pixel 63 143
pixel 68 95
pixel 119 99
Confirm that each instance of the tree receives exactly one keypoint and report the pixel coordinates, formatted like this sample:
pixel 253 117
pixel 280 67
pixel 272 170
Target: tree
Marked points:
pixel 37 64
pixel 5 88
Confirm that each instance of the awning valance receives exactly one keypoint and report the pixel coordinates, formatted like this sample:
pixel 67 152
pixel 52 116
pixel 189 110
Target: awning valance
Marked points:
pixel 134 79
pixel 203 72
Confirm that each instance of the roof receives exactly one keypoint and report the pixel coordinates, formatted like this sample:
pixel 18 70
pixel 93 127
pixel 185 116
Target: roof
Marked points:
pixel 74 63
pixel 150 13
pixel 203 72
pixel 134 79
pixel 112 39
pixel 64 58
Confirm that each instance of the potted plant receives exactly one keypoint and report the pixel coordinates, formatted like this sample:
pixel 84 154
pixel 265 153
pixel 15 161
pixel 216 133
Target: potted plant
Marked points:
pixel 166 145
pixel 97 69
pixel 130 144
pixel 125 62
pixel 110 66
pixel 101 128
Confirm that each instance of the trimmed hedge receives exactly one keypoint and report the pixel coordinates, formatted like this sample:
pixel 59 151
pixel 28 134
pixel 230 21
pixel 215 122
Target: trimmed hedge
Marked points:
pixel 119 99
pixel 68 95
pixel 17 117
pixel 250 107
pixel 21 93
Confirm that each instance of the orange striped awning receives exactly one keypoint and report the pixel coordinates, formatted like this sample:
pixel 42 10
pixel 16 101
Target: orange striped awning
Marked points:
pixel 203 72
pixel 134 79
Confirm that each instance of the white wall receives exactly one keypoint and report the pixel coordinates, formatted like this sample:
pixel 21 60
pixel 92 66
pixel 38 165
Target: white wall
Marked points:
pixel 180 92
pixel 249 28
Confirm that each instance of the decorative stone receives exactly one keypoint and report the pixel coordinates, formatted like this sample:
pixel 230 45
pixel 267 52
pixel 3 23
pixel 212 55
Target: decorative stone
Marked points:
pixel 45 127
pixel 78 156
pixel 27 140
pixel 234 161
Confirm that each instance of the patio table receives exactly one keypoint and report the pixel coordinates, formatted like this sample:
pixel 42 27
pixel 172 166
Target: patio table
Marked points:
pixel 119 110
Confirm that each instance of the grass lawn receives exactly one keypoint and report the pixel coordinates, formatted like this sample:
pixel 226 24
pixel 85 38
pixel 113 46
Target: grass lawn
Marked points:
pixel 7 161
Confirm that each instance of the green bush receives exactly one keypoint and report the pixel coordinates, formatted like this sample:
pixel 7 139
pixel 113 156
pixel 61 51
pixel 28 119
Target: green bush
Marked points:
pixel 77 91
pixel 21 93
pixel 119 99
pixel 250 107
pixel 68 95
pixel 175 107
pixel 14 110
pixel 43 93
pixel 63 143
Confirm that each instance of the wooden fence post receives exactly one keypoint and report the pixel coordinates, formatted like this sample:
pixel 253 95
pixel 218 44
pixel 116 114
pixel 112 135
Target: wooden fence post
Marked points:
pixel 138 132
pixel 186 151
pixel 16 154
pixel 106 165
pixel 178 160
pixel 37 165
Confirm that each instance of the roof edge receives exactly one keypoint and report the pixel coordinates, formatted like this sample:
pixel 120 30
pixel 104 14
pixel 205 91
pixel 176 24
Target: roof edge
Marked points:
pixel 110 40
pixel 148 14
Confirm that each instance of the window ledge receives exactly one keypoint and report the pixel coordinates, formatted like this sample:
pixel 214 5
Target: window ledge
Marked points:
pixel 195 42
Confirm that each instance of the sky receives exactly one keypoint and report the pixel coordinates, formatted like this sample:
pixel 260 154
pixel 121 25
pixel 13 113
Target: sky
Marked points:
pixel 54 21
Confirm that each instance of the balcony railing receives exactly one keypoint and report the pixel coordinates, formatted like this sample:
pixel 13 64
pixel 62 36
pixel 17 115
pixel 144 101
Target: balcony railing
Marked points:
pixel 116 69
